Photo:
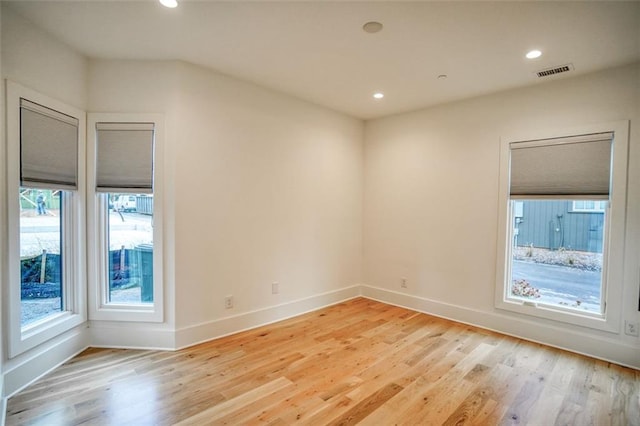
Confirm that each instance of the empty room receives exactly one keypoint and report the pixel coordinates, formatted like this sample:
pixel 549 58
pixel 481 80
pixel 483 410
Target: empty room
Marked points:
pixel 320 212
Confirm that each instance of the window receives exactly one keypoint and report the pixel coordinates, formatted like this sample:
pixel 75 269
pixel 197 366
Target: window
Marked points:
pixel 557 259
pixel 130 244
pixel 588 206
pixel 46 240
pixel 562 226
pixel 126 260
pixel 41 255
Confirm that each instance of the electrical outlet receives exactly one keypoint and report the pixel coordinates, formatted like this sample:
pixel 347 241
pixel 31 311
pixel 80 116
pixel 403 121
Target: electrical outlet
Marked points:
pixel 228 302
pixel 403 283
pixel 631 328
pixel 275 287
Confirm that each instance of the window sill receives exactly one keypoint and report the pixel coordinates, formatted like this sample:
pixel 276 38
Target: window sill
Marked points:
pixel 127 313
pixel 38 333
pixel 559 314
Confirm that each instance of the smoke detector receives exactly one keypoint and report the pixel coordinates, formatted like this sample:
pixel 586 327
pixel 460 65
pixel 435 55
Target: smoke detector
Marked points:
pixel 372 27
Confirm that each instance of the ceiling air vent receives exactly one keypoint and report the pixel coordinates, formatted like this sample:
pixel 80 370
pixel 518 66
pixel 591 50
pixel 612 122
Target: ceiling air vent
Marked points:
pixel 554 71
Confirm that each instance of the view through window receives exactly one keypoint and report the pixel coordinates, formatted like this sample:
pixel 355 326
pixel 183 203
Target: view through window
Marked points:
pixel 41 284
pixel 557 253
pixel 130 254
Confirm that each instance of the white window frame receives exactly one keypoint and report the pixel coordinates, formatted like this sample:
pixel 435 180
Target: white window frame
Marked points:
pixel 599 206
pixel 73 238
pixel 99 307
pixel 612 271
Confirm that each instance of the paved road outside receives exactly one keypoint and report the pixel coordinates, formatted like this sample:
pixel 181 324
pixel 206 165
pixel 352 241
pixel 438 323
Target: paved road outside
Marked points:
pixel 561 284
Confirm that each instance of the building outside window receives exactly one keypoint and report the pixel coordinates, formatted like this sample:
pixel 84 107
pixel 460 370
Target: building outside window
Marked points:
pixel 589 206
pixel 557 256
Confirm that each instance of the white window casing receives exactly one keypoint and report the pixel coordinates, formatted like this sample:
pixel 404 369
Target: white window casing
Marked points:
pixel 111 137
pixel 67 127
pixel 589 162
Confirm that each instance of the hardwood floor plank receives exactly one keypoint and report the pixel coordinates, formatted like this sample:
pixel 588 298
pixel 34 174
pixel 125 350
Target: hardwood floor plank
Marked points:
pixel 367 406
pixel 209 415
pixel 359 361
pixel 625 397
pixel 520 409
pixel 470 407
pixel 428 400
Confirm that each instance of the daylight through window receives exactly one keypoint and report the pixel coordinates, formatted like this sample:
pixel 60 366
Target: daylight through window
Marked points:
pixel 130 254
pixel 41 254
pixel 45 219
pixel 557 255
pixel 124 183
pixel 559 192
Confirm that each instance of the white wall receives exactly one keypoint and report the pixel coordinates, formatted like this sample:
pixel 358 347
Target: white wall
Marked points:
pixel 264 188
pixel 270 189
pixel 431 200
pixel 259 187
pixel 142 87
pixel 36 60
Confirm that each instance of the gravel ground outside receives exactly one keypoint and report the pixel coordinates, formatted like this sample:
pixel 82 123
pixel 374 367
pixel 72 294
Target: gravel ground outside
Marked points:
pixel 570 258
pixel 40 233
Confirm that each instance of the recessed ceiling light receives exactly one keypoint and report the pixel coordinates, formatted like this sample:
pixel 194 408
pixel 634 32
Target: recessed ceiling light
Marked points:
pixel 372 27
pixel 169 3
pixel 533 54
pixel 378 95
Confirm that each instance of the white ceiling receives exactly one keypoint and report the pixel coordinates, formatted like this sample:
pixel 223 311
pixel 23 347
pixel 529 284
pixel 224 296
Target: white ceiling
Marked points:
pixel 317 50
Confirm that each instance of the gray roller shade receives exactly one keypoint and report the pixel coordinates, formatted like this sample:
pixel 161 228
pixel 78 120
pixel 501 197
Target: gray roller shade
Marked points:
pixel 572 166
pixel 124 160
pixel 48 147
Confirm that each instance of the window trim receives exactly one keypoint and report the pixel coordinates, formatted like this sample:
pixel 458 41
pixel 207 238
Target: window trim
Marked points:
pixel 99 309
pixel 574 209
pixel 614 239
pixel 73 237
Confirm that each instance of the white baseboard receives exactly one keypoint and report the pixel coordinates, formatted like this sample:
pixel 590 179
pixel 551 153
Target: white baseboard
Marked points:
pixel 19 373
pixel 211 330
pixel 127 335
pixel 26 369
pixel 572 340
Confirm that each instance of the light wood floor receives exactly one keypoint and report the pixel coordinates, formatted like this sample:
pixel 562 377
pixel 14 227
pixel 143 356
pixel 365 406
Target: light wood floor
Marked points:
pixel 357 362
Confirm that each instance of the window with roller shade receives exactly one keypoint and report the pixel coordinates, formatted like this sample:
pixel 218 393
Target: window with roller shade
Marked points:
pixel 122 178
pixel 48 172
pixel 558 236
pixel 548 176
pixel 45 148
pixel 124 175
